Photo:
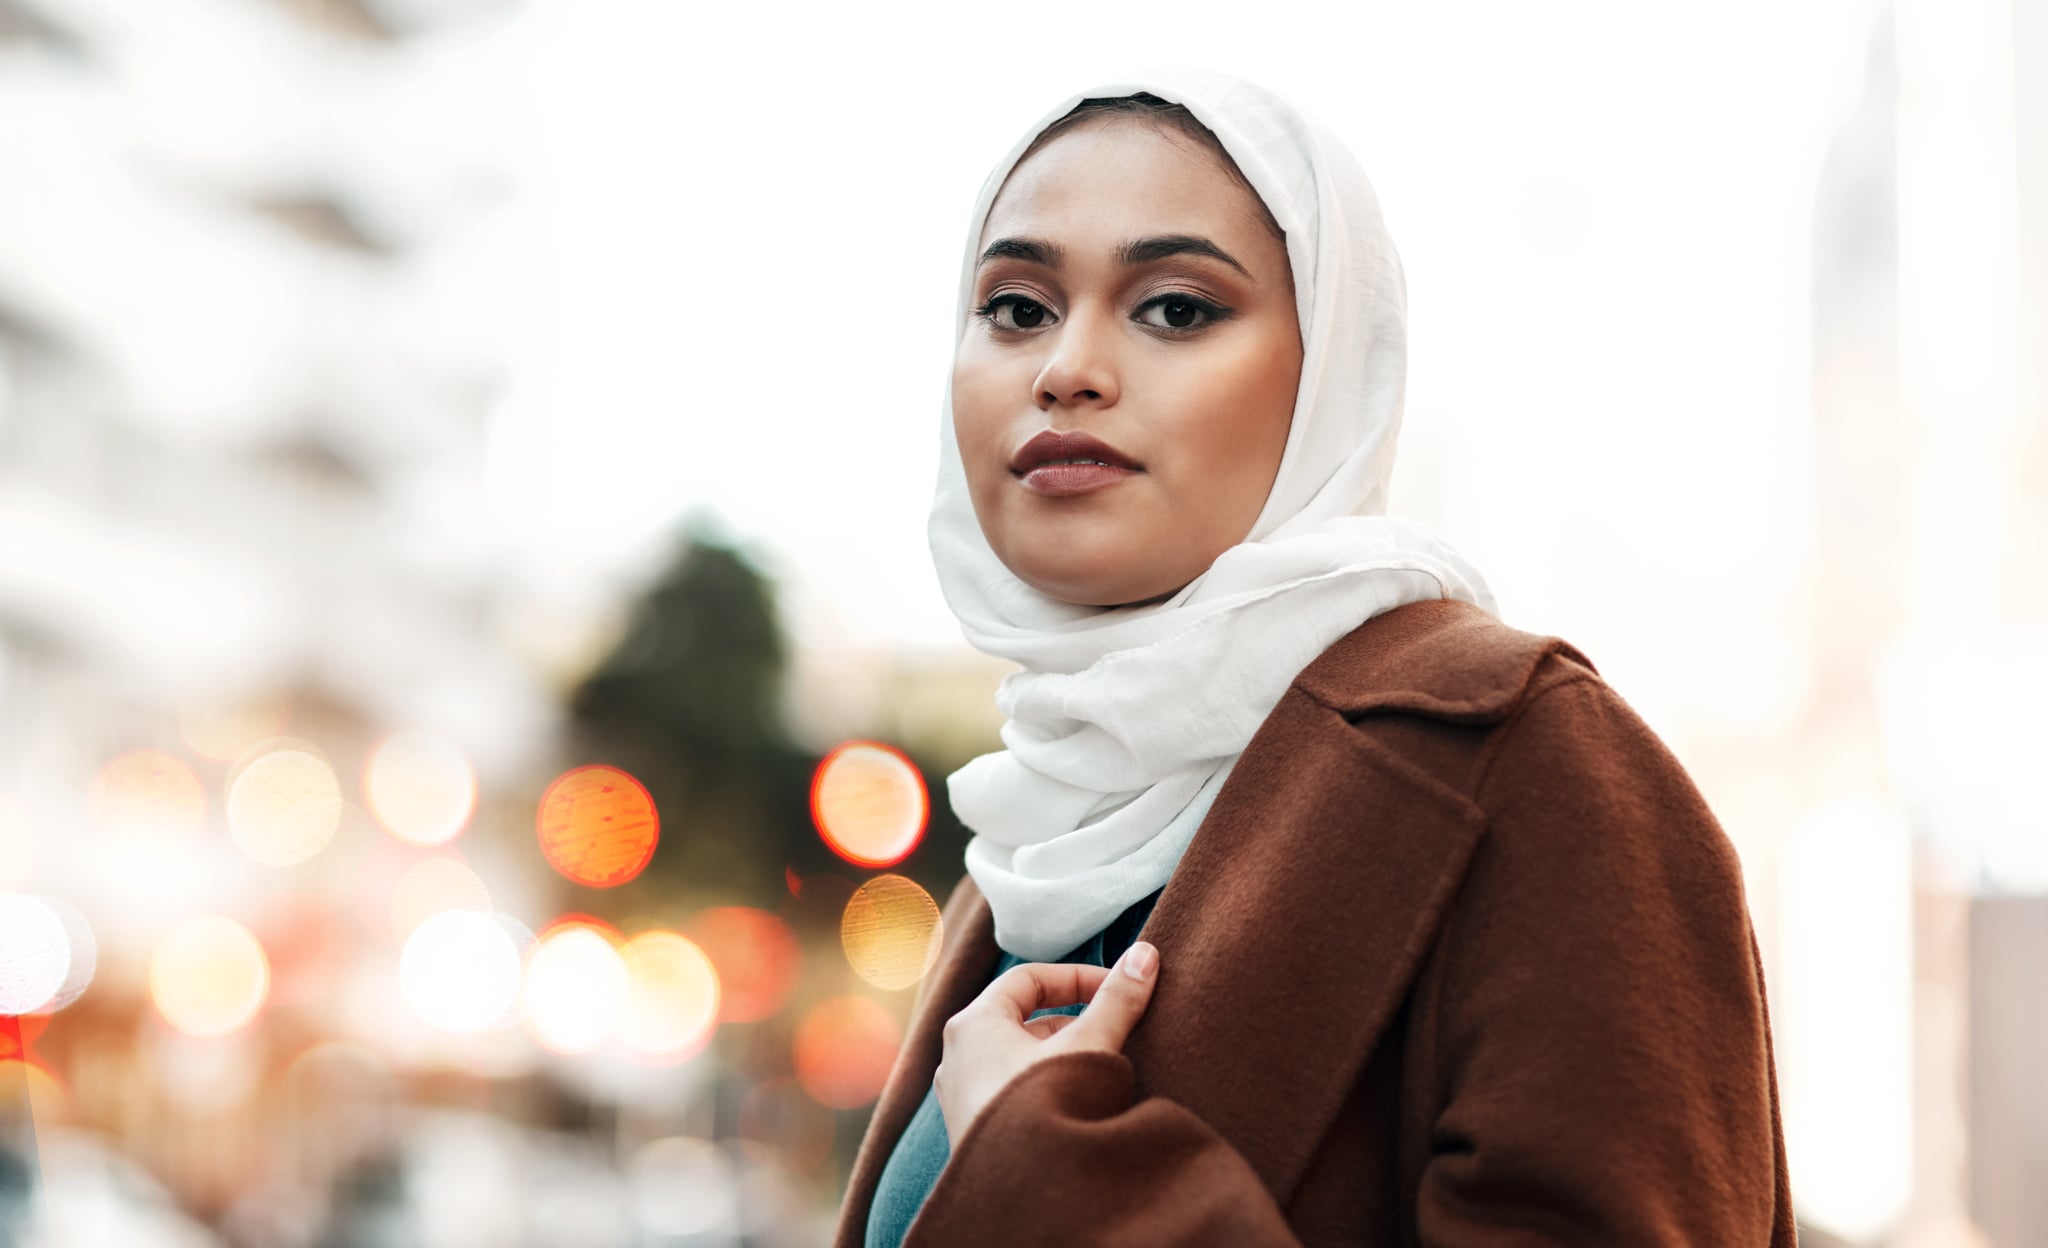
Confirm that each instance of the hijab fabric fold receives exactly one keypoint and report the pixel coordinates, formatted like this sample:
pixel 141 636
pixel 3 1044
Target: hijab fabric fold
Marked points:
pixel 1123 722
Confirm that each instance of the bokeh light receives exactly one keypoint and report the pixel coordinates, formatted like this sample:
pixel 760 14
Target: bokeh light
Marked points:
pixel 420 787
pixel 147 791
pixel 891 931
pixel 575 988
pixel 83 949
pixel 17 845
pixel 459 970
pixel 756 955
pixel 672 1004
pixel 597 825
pixel 284 803
pixel 209 976
pixel 843 1050
pixel 18 1032
pixel 870 804
pixel 35 954
pixel 224 731
pixel 432 886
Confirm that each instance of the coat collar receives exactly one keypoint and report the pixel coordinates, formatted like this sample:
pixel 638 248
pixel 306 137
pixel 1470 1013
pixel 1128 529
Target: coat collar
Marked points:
pixel 1294 924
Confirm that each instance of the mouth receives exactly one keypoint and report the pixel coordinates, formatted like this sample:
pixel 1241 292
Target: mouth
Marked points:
pixel 1072 449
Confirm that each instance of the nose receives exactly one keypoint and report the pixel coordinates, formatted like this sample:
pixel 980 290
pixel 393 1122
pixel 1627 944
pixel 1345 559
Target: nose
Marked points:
pixel 1080 370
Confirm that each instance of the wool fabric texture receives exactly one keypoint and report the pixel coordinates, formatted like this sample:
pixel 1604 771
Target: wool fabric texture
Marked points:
pixel 1121 723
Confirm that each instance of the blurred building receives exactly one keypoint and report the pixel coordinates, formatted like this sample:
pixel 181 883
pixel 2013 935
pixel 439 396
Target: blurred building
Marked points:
pixel 1930 615
pixel 246 373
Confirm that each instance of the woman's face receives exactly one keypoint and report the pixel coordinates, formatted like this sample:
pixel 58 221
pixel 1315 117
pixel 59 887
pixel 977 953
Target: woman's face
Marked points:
pixel 1128 289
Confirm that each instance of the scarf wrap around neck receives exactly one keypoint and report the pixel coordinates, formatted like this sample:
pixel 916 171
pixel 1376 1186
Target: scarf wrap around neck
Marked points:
pixel 1122 723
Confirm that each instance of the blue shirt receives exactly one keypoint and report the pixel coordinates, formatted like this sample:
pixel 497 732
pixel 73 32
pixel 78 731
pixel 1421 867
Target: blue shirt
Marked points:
pixel 922 1150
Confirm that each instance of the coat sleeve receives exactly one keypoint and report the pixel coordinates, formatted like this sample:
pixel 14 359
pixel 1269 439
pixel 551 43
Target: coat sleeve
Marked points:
pixel 1106 1169
pixel 1603 1062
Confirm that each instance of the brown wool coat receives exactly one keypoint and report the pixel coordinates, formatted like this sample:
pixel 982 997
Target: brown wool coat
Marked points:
pixel 1459 957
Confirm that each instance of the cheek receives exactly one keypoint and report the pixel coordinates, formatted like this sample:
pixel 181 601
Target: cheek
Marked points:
pixel 1244 401
pixel 978 418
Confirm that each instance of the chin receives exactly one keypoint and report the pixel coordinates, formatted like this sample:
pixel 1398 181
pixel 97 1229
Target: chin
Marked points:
pixel 1095 569
pixel 1099 591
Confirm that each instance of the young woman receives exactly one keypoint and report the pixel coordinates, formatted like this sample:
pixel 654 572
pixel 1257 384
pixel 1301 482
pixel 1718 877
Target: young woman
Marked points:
pixel 1308 902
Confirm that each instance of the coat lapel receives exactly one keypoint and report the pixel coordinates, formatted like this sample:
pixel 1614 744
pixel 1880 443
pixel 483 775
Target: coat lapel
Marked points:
pixel 1291 931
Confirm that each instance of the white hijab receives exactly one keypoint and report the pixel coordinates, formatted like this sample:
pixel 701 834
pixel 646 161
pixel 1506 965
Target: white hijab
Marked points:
pixel 1124 721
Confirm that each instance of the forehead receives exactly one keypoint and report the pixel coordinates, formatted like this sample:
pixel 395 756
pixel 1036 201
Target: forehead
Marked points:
pixel 1124 178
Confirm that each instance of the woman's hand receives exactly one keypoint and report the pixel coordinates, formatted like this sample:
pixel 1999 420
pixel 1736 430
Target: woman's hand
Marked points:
pixel 991 1041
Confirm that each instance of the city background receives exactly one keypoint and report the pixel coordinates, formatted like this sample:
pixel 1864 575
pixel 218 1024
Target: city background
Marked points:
pixel 474 702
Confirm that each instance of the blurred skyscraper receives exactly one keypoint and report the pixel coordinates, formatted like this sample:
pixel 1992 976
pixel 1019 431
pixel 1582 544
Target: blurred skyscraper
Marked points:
pixel 1929 620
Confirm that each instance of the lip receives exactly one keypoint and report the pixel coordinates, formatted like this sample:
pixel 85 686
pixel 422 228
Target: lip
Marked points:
pixel 1036 464
pixel 1050 444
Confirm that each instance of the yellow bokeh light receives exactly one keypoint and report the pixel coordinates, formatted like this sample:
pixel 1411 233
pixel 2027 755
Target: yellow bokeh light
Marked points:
pixel 575 990
pixel 421 787
pixel 869 803
pixel 891 931
pixel 17 844
pixel 459 970
pixel 148 791
pixel 284 804
pixel 672 1002
pixel 843 1050
pixel 431 886
pixel 224 731
pixel 209 976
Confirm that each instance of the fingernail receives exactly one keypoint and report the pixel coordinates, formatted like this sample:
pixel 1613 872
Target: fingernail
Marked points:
pixel 1141 961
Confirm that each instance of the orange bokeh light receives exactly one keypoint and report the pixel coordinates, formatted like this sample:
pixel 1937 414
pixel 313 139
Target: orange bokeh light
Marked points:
pixel 869 803
pixel 891 931
pixel 844 1048
pixel 757 958
pixel 18 1032
pixel 148 790
pixel 597 826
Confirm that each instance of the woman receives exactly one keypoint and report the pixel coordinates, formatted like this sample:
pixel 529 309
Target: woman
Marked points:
pixel 1440 944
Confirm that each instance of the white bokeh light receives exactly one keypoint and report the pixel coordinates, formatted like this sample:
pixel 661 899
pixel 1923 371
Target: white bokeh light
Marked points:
pixel 459 970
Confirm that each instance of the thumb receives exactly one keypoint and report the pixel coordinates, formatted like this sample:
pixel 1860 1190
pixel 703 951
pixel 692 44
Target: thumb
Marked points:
pixel 1119 1002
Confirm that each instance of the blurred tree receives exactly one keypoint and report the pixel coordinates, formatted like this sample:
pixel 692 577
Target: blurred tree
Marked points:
pixel 687 702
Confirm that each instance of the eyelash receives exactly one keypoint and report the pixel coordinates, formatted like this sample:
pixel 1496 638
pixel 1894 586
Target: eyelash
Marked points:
pixel 1211 312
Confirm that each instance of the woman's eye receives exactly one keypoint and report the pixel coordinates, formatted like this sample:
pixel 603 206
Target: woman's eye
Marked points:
pixel 1179 312
pixel 1014 312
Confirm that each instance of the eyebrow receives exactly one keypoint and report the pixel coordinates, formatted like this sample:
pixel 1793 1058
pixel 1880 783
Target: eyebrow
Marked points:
pixel 1029 250
pixel 1146 250
pixel 1137 251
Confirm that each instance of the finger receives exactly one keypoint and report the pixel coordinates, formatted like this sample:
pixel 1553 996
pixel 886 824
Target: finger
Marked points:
pixel 1030 986
pixel 1119 1001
